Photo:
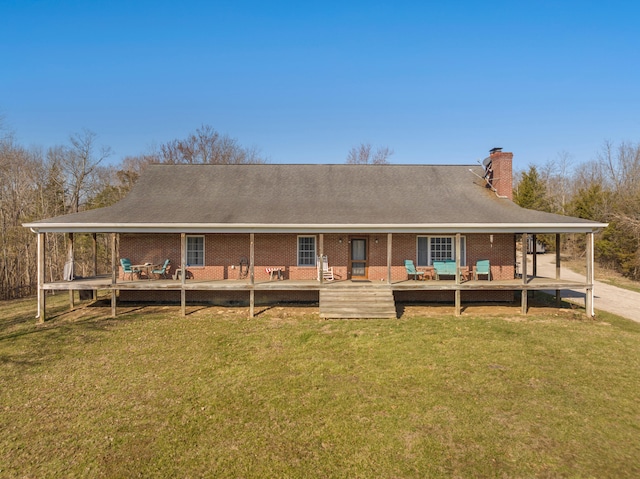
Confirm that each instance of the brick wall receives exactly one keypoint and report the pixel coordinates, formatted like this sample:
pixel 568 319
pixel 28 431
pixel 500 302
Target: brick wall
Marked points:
pixel 223 252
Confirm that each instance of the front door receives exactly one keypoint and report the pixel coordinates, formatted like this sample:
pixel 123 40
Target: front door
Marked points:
pixel 359 258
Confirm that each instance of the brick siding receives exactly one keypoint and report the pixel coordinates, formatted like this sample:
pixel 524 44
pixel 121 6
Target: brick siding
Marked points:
pixel 223 253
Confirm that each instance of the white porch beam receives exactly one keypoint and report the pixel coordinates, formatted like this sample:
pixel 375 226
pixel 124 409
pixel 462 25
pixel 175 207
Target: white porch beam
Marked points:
pixel 525 293
pixel 94 266
pixel 114 272
pixel 252 293
pixel 589 309
pixel 457 292
pixel 70 257
pixel 558 293
pixel 389 256
pixel 41 313
pixel 321 253
pixel 183 276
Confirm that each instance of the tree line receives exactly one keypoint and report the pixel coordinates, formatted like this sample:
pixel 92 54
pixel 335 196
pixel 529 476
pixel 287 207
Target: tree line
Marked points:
pixel 77 175
pixel 605 189
pixel 74 176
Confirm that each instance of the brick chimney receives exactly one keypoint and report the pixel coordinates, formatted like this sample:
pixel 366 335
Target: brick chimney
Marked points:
pixel 499 172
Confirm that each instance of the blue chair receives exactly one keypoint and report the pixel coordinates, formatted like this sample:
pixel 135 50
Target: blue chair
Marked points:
pixel 445 268
pixel 411 269
pixel 482 267
pixel 127 269
pixel 162 271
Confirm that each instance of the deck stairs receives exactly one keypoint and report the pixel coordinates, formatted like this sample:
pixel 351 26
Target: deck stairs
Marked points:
pixel 357 302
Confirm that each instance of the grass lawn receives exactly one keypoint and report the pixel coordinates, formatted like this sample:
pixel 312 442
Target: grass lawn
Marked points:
pixel 152 394
pixel 604 274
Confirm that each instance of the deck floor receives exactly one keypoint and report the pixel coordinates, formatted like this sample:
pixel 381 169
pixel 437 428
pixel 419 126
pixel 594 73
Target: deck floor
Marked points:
pixel 104 282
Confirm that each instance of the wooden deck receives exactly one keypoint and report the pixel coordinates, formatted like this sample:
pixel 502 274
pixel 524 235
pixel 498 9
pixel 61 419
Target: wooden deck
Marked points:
pixel 337 299
pixel 104 282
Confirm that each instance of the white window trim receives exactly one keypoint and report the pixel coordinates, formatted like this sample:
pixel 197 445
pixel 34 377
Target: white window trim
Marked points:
pixel 315 251
pixel 204 249
pixel 463 246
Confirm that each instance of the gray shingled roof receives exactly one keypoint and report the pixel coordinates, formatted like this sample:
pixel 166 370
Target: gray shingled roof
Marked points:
pixel 308 197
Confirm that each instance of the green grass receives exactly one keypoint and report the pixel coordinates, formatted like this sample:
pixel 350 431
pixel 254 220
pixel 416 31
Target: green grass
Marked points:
pixel 605 275
pixel 152 394
pixel 623 283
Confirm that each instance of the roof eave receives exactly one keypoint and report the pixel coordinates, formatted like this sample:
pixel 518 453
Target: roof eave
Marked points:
pixel 538 228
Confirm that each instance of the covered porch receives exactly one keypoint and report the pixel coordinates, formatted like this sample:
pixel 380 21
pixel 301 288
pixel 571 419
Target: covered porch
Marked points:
pixel 396 283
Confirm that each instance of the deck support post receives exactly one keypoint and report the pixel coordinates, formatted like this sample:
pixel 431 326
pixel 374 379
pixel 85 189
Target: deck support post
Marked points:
pixel 457 292
pixel 558 293
pixel 389 256
pixel 94 268
pixel 252 241
pixel 252 292
pixel 525 293
pixel 590 276
pixel 321 251
pixel 114 272
pixel 41 313
pixel 183 276
pixel 534 258
pixel 70 254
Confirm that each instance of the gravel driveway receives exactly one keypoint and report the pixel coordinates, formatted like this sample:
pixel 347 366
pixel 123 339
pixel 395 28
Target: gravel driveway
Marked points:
pixel 609 298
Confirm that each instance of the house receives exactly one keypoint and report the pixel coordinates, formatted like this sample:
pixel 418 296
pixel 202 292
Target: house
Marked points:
pixel 226 228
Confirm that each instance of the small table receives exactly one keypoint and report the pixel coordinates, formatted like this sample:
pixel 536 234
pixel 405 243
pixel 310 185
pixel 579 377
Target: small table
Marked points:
pixel 273 271
pixel 147 267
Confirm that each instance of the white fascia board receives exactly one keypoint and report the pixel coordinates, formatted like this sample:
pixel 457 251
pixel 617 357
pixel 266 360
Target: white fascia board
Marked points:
pixel 315 228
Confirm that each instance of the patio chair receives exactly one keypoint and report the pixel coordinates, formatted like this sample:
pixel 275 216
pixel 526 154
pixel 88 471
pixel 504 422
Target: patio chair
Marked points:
pixel 162 271
pixel 327 272
pixel 411 269
pixel 127 269
pixel 482 267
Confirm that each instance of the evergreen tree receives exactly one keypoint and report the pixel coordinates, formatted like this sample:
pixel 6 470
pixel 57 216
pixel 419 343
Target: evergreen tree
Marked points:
pixel 531 192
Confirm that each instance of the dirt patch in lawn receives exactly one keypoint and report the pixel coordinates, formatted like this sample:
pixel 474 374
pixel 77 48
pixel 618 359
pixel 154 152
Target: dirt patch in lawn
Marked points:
pixel 292 312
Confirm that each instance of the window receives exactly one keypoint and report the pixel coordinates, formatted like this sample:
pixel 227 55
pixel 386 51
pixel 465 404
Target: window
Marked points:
pixel 306 250
pixel 195 250
pixel 440 248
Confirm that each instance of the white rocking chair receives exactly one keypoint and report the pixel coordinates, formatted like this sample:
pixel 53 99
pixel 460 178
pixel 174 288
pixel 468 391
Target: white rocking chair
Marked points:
pixel 327 273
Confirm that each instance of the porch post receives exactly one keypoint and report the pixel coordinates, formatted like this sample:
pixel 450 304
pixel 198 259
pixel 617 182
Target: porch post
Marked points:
pixel 558 292
pixel 321 252
pixel 114 273
pixel 525 293
pixel 183 276
pixel 389 257
pixel 535 255
pixel 41 314
pixel 94 270
pixel 590 276
pixel 457 292
pixel 70 254
pixel 252 239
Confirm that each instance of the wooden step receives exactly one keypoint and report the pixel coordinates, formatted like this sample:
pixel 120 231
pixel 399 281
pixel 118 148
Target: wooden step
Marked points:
pixel 360 303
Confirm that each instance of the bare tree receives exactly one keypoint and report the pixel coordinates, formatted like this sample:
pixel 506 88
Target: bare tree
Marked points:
pixel 79 164
pixel 364 154
pixel 557 175
pixel 18 200
pixel 206 146
pixel 621 165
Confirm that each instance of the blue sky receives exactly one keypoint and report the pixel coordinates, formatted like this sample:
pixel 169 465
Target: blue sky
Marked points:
pixel 436 81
